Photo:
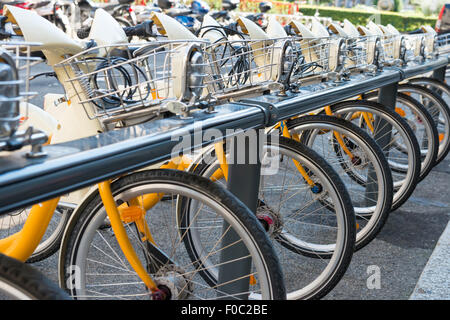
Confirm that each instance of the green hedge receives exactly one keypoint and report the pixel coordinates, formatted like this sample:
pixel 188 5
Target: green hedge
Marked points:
pixel 402 22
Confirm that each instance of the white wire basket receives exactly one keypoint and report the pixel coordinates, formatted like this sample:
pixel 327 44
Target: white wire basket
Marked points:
pixel 391 49
pixel 443 43
pixel 317 57
pixel 133 81
pixel 237 68
pixel 360 53
pixel 16 61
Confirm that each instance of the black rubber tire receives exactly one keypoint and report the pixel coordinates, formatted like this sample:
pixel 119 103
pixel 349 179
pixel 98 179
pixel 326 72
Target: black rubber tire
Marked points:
pixel 246 218
pixel 350 222
pixel 428 120
pixel 52 247
pixel 377 154
pixel 28 280
pixel 412 183
pixel 439 85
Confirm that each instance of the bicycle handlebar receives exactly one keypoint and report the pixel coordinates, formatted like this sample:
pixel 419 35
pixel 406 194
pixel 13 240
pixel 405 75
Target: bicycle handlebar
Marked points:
pixel 143 29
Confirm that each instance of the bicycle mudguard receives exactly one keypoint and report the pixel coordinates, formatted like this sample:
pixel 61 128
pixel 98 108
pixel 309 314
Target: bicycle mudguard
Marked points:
pixel 105 30
pixel 171 27
pixel 37 118
pixel 275 29
pixel 72 119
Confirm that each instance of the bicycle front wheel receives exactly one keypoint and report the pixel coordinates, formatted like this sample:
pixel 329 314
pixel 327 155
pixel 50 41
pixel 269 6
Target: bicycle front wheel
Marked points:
pixel 359 162
pixel 308 215
pixel 13 222
pixel 19 281
pixel 423 125
pixel 236 244
pixel 389 130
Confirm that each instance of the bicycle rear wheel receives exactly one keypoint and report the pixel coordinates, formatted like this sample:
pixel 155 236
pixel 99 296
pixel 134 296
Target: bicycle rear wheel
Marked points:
pixel 439 111
pixel 90 250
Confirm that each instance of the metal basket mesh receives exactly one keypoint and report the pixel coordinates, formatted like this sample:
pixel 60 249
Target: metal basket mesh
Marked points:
pixel 117 80
pixel 15 64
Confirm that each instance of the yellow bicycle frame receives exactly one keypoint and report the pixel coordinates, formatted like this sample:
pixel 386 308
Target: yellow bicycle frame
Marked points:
pixel 22 244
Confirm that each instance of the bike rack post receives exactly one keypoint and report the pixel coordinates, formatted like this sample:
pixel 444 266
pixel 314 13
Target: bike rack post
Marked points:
pixel 244 172
pixel 387 96
pixel 439 74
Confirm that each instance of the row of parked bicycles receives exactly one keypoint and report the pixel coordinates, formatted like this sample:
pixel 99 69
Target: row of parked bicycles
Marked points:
pixel 173 231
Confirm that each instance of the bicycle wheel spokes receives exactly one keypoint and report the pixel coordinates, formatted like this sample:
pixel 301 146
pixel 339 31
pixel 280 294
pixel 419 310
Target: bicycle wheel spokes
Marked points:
pixel 439 111
pixel 360 164
pixel 311 224
pixel 423 126
pixel 166 249
pixel 389 131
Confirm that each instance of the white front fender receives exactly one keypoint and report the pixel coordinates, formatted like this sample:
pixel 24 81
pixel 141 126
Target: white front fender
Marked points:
pixel 105 30
pixel 212 34
pixel 337 30
pixel 275 29
pixel 37 29
pixel 319 29
pixel 375 29
pixel 350 29
pixel 171 27
pixel 301 29
pixel 37 118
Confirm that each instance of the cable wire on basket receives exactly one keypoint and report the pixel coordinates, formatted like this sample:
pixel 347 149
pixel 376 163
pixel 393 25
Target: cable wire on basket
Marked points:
pixel 121 96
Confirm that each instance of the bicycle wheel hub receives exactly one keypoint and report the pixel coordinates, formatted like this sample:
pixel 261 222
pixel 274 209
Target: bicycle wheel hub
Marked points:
pixel 270 220
pixel 173 282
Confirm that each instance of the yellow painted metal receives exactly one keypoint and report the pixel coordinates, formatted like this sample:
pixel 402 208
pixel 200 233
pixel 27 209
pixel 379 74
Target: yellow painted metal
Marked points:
pixel 220 154
pixel 217 175
pixel 104 189
pixel 338 136
pixel 22 244
pixel 369 120
pixel 136 213
pixel 400 111
pixel 300 168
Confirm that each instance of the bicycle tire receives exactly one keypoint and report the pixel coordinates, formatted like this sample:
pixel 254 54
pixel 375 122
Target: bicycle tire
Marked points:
pixel 440 103
pixel 77 235
pixel 403 188
pixel 438 109
pixel 20 281
pixel 422 116
pixel 379 215
pixel 322 284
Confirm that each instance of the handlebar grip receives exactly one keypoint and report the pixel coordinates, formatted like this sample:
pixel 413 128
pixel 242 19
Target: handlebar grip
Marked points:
pixel 83 33
pixel 143 29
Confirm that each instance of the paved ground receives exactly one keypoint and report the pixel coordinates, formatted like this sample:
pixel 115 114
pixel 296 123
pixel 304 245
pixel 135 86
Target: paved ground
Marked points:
pixel 434 282
pixel 398 255
pixel 404 246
